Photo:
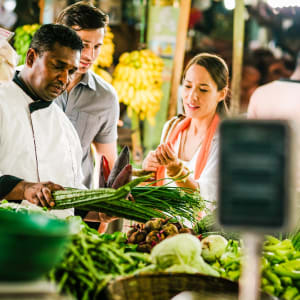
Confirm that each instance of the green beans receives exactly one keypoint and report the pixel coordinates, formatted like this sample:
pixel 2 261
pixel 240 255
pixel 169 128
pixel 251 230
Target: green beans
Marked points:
pixel 92 260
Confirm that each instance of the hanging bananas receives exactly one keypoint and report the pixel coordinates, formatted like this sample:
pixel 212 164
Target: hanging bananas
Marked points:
pixel 105 58
pixel 23 39
pixel 137 79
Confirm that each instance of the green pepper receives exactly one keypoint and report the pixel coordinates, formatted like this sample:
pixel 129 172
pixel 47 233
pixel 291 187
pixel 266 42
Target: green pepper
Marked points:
pixel 271 240
pixel 284 245
pixel 233 275
pixel 290 293
pixel 273 278
pixel 290 269
pixel 286 281
pixel 264 281
pixel 272 257
pixel 269 289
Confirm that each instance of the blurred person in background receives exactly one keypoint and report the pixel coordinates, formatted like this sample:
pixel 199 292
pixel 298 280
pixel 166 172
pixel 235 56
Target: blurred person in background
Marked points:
pixel 279 99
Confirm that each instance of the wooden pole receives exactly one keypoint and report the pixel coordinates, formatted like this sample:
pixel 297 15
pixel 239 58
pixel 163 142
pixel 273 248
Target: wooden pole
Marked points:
pixel 185 7
pixel 42 7
pixel 237 62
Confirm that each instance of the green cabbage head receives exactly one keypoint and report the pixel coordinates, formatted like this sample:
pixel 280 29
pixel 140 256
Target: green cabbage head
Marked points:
pixel 180 249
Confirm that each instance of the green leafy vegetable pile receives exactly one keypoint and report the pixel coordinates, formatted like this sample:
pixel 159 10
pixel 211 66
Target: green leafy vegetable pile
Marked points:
pixel 92 260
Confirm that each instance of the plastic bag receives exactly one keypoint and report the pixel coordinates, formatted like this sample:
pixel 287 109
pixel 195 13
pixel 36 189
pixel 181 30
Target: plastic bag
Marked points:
pixel 8 56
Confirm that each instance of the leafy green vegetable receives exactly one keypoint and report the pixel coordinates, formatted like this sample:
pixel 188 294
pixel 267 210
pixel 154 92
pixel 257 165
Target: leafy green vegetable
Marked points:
pixel 181 249
pixel 180 253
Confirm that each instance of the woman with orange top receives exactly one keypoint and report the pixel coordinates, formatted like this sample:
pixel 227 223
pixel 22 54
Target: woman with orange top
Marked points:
pixel 189 143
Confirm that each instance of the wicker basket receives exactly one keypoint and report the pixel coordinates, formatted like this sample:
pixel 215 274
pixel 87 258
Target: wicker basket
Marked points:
pixel 164 286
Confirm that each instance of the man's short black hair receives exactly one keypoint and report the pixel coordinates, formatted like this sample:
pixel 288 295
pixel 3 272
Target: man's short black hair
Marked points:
pixel 81 16
pixel 48 35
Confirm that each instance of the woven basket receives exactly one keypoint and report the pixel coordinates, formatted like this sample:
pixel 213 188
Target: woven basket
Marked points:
pixel 164 286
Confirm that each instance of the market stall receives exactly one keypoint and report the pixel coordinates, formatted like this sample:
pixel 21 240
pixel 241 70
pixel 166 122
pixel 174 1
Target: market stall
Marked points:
pixel 174 243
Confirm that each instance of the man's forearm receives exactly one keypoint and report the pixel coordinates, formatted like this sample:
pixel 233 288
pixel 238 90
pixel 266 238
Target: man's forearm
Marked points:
pixel 11 187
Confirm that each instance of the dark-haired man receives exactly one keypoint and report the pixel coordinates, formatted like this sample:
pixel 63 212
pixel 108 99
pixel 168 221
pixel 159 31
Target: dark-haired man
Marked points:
pixel 90 102
pixel 40 151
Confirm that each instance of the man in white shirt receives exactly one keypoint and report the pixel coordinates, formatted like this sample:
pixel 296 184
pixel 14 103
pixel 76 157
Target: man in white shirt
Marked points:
pixel 40 150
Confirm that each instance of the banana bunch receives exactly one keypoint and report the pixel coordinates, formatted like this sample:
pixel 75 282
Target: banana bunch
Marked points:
pixel 23 37
pixel 137 79
pixel 105 58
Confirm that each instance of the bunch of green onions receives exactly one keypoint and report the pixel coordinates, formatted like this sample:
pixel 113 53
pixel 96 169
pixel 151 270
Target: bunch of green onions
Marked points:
pixel 148 201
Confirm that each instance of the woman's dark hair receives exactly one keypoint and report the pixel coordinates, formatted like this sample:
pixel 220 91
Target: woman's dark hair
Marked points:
pixel 215 66
pixel 82 15
pixel 48 35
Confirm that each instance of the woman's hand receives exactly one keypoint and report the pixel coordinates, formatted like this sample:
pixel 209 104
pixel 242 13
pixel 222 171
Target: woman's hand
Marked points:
pixel 151 163
pixel 167 157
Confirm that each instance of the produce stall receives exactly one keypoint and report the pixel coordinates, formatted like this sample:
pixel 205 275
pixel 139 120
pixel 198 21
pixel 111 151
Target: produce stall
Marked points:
pixel 83 264
pixel 167 249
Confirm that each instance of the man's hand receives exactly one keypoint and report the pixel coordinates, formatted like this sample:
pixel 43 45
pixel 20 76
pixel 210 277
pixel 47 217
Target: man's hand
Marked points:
pixel 40 193
pixel 36 193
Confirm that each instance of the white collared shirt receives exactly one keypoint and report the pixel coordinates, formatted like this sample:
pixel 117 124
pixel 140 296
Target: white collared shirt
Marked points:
pixel 39 146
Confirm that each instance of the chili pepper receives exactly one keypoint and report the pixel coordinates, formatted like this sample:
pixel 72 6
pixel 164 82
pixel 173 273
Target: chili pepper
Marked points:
pixel 273 278
pixel 234 275
pixel 290 293
pixel 284 245
pixel 106 169
pixel 285 280
pixel 269 289
pixel 272 257
pixel 290 269
pixel 271 240
pixel 264 281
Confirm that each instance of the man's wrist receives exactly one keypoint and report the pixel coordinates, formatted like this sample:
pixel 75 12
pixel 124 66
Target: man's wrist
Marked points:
pixel 7 184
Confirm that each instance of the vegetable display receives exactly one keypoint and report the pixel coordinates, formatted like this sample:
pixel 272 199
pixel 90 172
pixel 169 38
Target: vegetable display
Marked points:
pixel 153 232
pixel 281 269
pixel 92 260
